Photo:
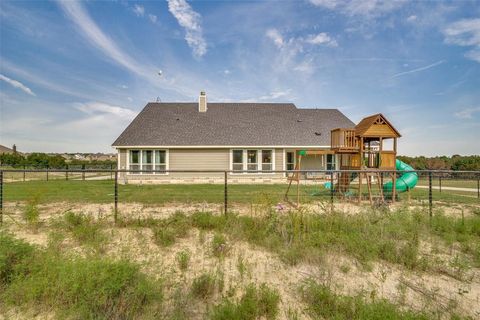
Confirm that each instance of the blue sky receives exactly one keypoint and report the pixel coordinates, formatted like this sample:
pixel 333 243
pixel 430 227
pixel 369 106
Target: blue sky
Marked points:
pixel 74 74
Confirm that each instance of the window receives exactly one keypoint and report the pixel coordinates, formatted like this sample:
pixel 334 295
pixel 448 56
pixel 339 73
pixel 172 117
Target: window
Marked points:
pixel 252 162
pixel 266 160
pixel 331 162
pixel 237 160
pixel 134 160
pixel 160 160
pixel 147 160
pixel 290 163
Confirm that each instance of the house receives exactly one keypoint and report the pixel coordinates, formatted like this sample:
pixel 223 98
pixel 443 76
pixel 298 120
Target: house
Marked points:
pixel 7 150
pixel 258 137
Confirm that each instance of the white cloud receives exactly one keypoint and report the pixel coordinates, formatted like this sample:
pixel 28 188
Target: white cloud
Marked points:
pixel 17 84
pixel 360 7
pixel 412 18
pixel 276 37
pixel 152 18
pixel 465 33
pixel 77 13
pixel 96 108
pixel 321 38
pixel 191 22
pixel 467 113
pixel 419 69
pixel 276 94
pixel 139 10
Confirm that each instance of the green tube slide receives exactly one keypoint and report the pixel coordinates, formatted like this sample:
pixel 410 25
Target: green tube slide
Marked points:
pixel 405 182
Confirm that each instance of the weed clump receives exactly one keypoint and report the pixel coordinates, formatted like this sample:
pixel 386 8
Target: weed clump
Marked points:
pixel 203 287
pixel 84 229
pixel 183 259
pixel 255 303
pixel 325 304
pixel 166 231
pixel 219 245
pixel 82 288
pixel 31 214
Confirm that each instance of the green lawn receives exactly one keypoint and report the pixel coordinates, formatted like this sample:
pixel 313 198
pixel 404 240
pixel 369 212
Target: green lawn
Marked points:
pixel 102 191
pixel 457 183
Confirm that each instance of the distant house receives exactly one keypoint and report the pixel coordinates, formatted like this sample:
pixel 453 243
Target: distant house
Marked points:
pixel 4 149
pixel 226 136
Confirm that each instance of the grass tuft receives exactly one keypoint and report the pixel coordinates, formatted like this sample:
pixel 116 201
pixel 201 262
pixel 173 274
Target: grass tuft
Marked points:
pixel 203 287
pixel 325 304
pixel 261 302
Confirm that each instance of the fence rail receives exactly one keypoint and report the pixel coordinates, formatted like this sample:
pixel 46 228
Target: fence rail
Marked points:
pixel 227 188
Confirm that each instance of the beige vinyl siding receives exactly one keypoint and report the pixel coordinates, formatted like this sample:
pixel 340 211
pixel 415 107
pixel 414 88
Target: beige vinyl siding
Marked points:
pixel 197 159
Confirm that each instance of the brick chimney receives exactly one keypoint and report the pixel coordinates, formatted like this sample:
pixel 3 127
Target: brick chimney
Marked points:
pixel 202 102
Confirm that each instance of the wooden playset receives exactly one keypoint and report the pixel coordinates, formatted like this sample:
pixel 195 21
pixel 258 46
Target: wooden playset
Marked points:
pixel 362 149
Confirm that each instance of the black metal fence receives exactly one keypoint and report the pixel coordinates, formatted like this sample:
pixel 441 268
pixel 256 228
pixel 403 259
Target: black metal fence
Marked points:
pixel 225 191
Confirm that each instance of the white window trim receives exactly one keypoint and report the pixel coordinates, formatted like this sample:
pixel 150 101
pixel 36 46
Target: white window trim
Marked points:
pixel 167 162
pixel 245 161
pixel 285 159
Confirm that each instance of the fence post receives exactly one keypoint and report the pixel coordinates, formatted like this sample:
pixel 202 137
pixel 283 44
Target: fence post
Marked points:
pixel 225 194
pixel 66 172
pixel 24 167
pixel 1 197
pixel 331 189
pixel 47 172
pixel 111 172
pixel 440 183
pixel 83 172
pixel 478 186
pixel 430 192
pixel 115 212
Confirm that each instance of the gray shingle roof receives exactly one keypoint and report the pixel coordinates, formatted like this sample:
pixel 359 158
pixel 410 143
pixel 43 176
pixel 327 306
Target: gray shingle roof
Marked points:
pixel 231 124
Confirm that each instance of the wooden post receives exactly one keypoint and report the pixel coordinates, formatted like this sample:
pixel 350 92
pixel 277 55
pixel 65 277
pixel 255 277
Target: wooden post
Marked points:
pixel 66 173
pixel 225 194
pixel 440 183
pixel 430 197
pixel 83 172
pixel 115 211
pixel 47 172
pixel 24 167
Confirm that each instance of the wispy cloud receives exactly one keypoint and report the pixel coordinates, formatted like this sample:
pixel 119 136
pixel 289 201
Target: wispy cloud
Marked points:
pixel 191 22
pixel 467 113
pixel 77 13
pixel 321 39
pixel 360 7
pixel 95 108
pixel 465 33
pixel 276 37
pixel 17 84
pixel 139 10
pixel 419 69
pixel 153 18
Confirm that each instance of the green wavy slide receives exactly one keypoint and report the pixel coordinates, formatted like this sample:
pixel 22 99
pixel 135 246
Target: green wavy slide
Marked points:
pixel 407 181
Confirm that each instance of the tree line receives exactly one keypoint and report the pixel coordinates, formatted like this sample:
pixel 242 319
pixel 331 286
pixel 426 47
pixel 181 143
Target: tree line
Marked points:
pixel 43 160
pixel 455 162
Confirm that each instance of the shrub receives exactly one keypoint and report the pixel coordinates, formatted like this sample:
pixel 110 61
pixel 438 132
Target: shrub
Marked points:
pixel 13 256
pixel 166 231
